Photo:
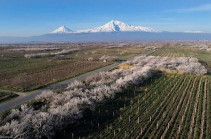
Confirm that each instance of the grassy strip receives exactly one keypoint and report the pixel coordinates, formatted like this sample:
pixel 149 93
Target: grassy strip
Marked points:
pixel 170 109
pixel 157 113
pixel 186 124
pixel 203 119
pixel 199 112
pixel 179 109
pixel 208 126
pixel 193 117
pixel 180 119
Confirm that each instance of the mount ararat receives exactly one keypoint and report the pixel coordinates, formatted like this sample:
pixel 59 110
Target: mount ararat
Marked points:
pixel 112 26
pixel 113 31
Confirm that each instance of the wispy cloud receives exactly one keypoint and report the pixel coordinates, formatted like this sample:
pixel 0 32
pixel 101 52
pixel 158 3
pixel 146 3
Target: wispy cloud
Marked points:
pixel 206 7
pixel 193 31
pixel 199 8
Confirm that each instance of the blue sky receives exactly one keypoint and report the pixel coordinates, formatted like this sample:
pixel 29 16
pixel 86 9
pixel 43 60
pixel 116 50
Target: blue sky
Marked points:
pixel 35 17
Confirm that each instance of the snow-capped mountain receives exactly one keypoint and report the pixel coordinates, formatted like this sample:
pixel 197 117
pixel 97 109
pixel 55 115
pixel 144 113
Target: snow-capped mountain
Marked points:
pixel 118 26
pixel 112 26
pixel 62 29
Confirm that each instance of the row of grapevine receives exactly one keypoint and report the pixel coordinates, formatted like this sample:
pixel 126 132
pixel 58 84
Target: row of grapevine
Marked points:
pixel 172 106
pixel 31 80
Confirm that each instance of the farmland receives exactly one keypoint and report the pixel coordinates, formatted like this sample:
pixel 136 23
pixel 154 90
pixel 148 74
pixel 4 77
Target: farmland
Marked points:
pixel 19 73
pixel 105 69
pixel 170 106
pixel 163 94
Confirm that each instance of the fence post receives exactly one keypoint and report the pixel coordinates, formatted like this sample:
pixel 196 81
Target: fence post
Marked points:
pixel 72 135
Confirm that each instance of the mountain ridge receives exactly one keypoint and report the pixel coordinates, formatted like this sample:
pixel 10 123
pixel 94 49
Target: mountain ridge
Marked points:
pixel 117 26
pixel 109 37
pixel 62 29
pixel 112 26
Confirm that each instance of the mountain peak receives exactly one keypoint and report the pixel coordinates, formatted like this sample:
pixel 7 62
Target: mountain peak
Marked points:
pixel 118 26
pixel 115 21
pixel 62 29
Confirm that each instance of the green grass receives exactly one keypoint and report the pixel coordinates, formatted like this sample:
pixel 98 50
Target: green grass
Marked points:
pixel 152 110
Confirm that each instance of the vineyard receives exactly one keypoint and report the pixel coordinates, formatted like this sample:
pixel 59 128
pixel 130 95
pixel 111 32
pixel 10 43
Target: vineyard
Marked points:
pixel 178 52
pixel 19 73
pixel 165 95
pixel 170 106
pixel 31 80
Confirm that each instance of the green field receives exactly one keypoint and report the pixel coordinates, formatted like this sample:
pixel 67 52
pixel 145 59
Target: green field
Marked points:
pixel 171 106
